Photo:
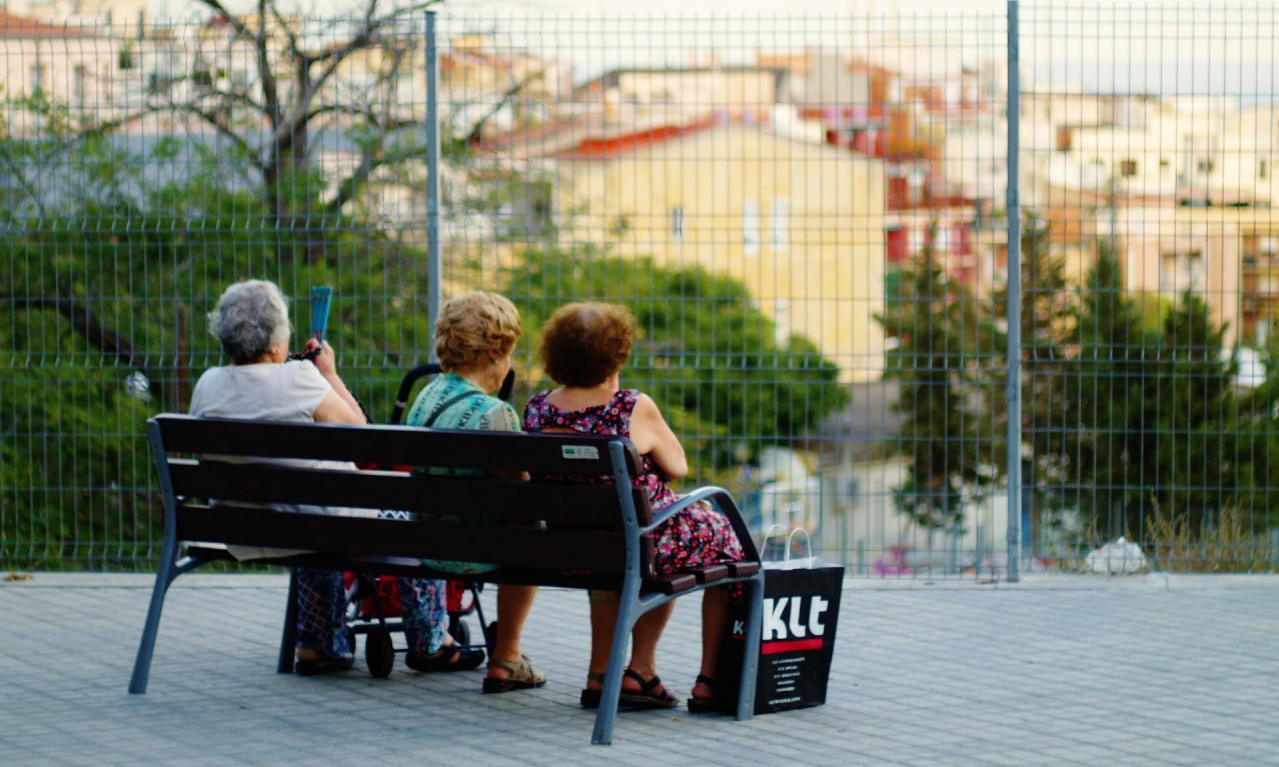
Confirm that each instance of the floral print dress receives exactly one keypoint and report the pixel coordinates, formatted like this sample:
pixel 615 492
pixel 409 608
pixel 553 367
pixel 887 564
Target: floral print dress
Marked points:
pixel 695 537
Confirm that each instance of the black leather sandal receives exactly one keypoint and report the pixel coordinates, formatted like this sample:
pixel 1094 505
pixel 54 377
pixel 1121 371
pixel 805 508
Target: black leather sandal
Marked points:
pixel 457 660
pixel 648 695
pixel 591 698
pixel 325 665
pixel 703 705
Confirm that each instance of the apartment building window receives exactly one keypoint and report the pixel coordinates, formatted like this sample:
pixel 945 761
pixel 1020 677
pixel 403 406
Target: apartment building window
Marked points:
pixel 1181 271
pixel 1205 165
pixel 1128 168
pixel 37 78
pixel 750 227
pixel 780 224
pixel 77 85
pixel 1263 169
pixel 677 223
pixel 124 60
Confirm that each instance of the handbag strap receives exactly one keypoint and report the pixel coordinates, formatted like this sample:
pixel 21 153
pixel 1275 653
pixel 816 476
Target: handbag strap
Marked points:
pixel 439 411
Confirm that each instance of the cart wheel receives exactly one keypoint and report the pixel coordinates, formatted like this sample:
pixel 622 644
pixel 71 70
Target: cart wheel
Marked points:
pixel 379 653
pixel 460 632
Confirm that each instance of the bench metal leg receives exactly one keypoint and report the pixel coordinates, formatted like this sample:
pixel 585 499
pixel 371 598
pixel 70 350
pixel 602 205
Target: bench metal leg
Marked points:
pixel 289 637
pixel 606 717
pixel 167 571
pixel 754 594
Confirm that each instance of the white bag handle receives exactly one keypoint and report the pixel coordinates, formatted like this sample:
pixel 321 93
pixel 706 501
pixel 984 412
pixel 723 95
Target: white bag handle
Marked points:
pixel 763 543
pixel 808 542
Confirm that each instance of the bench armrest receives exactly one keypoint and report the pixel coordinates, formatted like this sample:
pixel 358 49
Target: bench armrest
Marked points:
pixel 723 502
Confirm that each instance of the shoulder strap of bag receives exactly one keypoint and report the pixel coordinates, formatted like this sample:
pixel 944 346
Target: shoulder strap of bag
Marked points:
pixel 439 411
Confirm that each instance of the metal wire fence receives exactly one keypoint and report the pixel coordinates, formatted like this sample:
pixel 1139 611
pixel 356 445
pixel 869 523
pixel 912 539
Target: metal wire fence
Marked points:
pixel 808 214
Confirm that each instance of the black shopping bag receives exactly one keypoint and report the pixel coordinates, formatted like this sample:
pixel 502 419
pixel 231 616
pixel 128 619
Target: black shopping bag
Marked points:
pixel 801 611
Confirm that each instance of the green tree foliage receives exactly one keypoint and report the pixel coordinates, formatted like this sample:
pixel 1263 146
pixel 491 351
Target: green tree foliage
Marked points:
pixel 704 352
pixel 947 394
pixel 1049 403
pixel 1194 414
pixel 104 297
pixel 1104 447
pixel 1160 432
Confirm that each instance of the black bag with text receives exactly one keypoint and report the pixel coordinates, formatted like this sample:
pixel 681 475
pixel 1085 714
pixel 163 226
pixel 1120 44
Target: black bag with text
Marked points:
pixel 801 610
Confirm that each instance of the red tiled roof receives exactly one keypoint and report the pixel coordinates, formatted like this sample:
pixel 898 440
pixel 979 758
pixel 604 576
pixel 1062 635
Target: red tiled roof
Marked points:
pixel 603 148
pixel 12 26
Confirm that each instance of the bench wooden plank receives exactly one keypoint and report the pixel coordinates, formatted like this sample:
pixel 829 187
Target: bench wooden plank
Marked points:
pixel 504 499
pixel 711 573
pixel 392 445
pixel 520 546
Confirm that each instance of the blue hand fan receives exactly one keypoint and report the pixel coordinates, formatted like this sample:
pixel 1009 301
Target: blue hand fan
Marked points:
pixel 320 297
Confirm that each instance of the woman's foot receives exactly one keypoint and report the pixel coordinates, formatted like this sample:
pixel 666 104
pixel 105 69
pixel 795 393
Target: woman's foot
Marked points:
pixel 637 692
pixel 702 698
pixel 449 658
pixel 311 662
pixel 505 676
pixel 643 693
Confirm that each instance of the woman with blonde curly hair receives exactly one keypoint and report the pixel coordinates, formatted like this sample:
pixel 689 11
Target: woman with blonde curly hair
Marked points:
pixel 584 347
pixel 475 336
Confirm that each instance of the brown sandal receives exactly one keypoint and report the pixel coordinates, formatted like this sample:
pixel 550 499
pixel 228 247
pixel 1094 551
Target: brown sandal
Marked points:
pixel 523 676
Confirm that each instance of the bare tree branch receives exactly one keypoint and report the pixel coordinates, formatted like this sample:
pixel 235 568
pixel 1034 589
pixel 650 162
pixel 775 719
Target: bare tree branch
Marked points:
pixel 220 125
pixel 477 129
pixel 81 318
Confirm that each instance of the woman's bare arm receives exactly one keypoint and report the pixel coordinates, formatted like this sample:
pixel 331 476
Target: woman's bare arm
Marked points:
pixel 339 405
pixel 652 435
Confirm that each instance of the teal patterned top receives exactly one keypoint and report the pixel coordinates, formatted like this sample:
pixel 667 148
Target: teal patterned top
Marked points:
pixel 452 402
pixel 477 412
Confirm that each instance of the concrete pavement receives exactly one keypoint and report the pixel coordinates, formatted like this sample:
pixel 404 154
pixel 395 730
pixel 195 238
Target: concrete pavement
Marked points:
pixel 1057 670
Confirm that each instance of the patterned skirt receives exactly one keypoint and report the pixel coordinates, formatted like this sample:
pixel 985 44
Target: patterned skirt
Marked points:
pixel 695 537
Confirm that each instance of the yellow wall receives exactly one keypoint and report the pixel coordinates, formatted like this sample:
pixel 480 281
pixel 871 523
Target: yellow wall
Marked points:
pixel 824 283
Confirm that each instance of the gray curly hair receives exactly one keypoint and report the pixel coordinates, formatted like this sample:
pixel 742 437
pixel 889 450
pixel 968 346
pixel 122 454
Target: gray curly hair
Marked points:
pixel 250 318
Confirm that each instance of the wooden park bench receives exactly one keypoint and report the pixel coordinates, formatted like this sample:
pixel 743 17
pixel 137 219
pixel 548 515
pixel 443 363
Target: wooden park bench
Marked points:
pixel 552 532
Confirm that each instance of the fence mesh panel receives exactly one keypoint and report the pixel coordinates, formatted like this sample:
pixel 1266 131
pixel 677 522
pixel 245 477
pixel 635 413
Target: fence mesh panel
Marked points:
pixel 806 213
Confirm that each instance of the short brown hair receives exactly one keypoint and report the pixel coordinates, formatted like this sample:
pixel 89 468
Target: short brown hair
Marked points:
pixel 473 326
pixel 584 344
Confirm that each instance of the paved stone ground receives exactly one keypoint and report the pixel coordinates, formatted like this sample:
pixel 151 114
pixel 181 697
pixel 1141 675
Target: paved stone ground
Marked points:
pixel 1153 670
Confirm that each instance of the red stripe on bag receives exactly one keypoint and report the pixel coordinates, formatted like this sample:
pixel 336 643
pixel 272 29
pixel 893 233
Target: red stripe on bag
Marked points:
pixel 794 645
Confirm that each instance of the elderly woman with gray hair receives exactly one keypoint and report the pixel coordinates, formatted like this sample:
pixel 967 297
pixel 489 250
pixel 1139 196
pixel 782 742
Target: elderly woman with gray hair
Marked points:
pixel 251 321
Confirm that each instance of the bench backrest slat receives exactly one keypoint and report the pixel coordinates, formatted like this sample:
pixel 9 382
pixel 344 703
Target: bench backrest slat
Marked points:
pixel 391 445
pixel 600 552
pixel 495 498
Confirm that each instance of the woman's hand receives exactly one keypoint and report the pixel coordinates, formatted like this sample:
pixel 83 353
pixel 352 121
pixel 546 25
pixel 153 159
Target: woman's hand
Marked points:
pixel 326 361
pixel 340 405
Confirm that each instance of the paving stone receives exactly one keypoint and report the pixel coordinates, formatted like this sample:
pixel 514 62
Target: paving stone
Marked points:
pixel 1048 672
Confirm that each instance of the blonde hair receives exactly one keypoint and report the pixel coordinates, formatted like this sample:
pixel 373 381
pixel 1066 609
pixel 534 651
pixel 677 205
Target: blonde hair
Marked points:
pixel 473 326
pixel 583 344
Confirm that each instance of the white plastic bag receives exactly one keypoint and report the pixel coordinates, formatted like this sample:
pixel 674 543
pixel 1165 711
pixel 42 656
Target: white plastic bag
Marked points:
pixel 1117 557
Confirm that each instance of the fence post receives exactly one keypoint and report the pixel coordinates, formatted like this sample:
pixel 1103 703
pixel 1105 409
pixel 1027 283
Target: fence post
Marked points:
pixel 1014 297
pixel 434 291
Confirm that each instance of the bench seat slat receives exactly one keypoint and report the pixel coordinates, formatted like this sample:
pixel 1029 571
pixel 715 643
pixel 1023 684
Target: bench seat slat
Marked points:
pixel 660 584
pixel 711 573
